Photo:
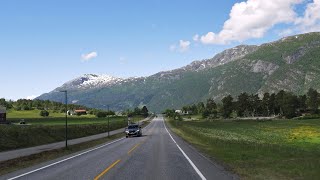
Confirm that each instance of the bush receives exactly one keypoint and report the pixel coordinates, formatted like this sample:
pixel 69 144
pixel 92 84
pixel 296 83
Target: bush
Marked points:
pixel 101 114
pixel 44 113
pixel 205 113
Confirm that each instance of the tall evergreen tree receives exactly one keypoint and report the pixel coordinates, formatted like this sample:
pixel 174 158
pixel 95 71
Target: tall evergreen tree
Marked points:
pixel 227 106
pixel 243 104
pixel 211 105
pixel 313 100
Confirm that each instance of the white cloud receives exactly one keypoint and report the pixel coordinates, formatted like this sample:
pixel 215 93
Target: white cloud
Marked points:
pixel 196 37
pixel 88 56
pixel 285 32
pixel 122 60
pixel 184 45
pixel 31 97
pixel 172 47
pixel 252 19
pixel 311 20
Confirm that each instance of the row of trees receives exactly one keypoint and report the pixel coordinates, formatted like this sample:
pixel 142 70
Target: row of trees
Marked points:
pixel 45 105
pixel 27 104
pixel 138 111
pixel 282 103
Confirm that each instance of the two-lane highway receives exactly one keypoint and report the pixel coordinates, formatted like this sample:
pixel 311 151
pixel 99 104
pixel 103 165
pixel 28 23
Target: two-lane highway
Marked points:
pixel 158 154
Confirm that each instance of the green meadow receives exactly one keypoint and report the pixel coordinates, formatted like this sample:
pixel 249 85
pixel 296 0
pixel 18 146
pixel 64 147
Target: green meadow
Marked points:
pixel 43 130
pixel 278 149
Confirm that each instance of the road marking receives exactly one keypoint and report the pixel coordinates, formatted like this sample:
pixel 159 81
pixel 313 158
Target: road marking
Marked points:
pixel 106 170
pixel 44 167
pixel 185 155
pixel 134 147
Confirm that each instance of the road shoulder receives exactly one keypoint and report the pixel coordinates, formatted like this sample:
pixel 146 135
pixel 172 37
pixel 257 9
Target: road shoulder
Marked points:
pixel 208 166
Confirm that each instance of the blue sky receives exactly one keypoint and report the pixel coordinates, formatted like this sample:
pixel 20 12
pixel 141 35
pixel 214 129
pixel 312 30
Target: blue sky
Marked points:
pixel 46 43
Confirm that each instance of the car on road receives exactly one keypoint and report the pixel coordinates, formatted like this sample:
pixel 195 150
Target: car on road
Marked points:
pixel 133 130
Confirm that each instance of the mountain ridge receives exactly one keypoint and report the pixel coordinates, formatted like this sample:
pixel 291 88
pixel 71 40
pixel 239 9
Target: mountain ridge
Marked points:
pixel 269 67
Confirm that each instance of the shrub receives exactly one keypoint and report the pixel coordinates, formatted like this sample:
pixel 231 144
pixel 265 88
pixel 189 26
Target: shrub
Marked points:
pixel 101 114
pixel 44 113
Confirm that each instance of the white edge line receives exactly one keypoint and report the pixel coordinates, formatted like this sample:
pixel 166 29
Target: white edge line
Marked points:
pixel 186 156
pixel 65 159
pixel 44 167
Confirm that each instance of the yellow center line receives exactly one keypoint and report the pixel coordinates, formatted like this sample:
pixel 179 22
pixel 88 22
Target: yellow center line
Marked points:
pixel 106 170
pixel 134 147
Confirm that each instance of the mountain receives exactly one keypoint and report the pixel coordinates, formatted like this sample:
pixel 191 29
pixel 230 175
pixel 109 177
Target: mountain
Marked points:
pixel 88 81
pixel 291 64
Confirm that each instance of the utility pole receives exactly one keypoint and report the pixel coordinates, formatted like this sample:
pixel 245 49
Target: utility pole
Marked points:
pixel 108 122
pixel 66 126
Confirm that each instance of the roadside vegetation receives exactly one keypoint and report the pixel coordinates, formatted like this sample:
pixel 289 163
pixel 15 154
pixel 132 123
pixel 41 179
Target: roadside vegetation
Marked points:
pixel 37 122
pixel 278 149
pixel 17 136
pixel 273 137
pixel 276 105
pixel 39 131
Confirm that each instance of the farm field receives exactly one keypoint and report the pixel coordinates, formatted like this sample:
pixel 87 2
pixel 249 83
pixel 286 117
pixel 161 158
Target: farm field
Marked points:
pixel 32 117
pixel 43 130
pixel 279 149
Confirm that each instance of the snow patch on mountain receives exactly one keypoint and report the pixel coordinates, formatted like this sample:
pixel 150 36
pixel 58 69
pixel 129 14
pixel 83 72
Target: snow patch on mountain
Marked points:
pixel 88 81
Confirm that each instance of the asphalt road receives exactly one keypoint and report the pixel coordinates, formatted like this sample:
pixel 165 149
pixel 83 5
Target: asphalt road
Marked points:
pixel 158 154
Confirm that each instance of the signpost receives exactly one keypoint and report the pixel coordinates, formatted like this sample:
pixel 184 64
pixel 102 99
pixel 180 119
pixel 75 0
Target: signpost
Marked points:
pixel 66 110
pixel 108 122
pixel 129 120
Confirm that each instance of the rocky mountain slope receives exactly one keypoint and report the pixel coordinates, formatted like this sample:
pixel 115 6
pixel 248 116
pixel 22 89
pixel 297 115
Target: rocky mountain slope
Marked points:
pixel 291 63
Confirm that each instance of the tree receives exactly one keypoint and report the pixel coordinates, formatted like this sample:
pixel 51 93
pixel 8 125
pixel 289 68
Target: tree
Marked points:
pixel 145 111
pixel 205 113
pixel 279 102
pixel 5 104
pixel 200 107
pixel 271 104
pixel 302 100
pixel 227 106
pixel 211 105
pixel 313 100
pixel 243 104
pixel 255 104
pixel 169 112
pixel 101 114
pixel 266 104
pixel 44 113
pixel 137 111
pixel 290 105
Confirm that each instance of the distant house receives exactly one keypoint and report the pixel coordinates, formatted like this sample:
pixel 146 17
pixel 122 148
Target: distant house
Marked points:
pixel 80 112
pixel 3 115
pixel 178 111
pixel 181 112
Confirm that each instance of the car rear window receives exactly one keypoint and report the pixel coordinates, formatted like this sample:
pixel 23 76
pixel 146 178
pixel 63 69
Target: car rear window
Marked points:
pixel 133 127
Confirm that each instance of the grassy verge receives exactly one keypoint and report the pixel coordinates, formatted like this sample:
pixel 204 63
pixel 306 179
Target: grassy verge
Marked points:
pixel 45 131
pixel 71 120
pixel 24 162
pixel 287 149
pixel 13 114
pixel 16 137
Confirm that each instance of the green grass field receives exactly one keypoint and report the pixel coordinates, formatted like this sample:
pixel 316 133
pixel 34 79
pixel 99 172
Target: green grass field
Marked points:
pixel 12 114
pixel 71 120
pixel 282 149
pixel 43 130
pixel 32 117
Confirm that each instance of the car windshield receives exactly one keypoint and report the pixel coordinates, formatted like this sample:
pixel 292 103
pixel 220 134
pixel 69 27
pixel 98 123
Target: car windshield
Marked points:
pixel 133 127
